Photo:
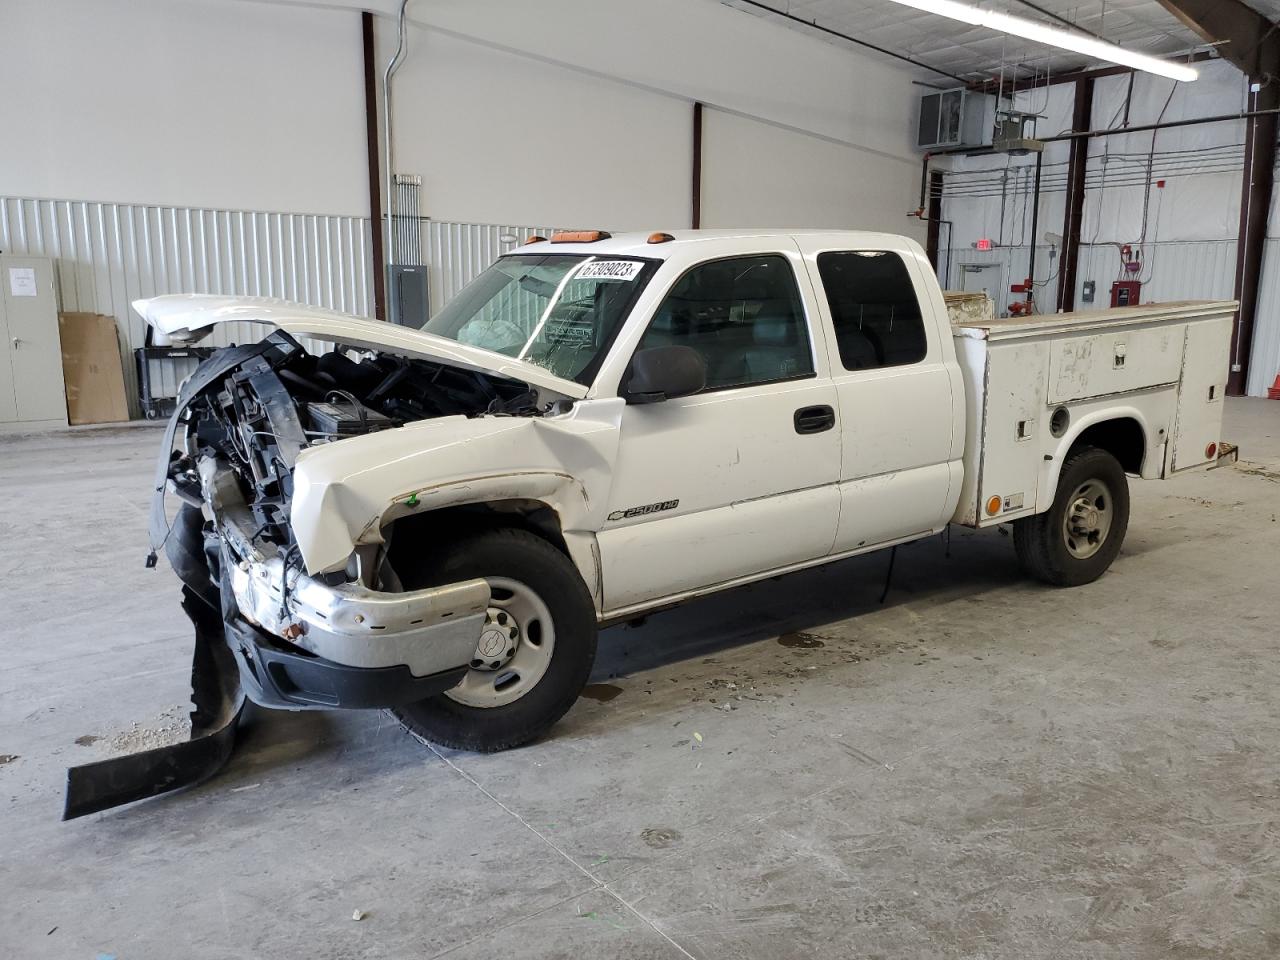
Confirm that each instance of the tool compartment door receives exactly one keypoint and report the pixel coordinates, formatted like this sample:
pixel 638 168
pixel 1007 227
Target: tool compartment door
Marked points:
pixel 1204 381
pixel 1114 361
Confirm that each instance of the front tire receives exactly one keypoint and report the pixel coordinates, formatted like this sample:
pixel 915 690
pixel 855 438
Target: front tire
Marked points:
pixel 535 652
pixel 1076 540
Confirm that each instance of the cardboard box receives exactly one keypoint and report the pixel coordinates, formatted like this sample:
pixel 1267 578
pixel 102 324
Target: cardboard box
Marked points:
pixel 92 368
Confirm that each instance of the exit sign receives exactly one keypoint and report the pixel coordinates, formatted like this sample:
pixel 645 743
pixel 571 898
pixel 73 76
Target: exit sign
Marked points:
pixel 984 244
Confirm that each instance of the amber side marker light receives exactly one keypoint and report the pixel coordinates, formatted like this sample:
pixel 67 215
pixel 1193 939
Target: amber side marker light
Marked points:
pixel 993 506
pixel 660 237
pixel 535 239
pixel 579 236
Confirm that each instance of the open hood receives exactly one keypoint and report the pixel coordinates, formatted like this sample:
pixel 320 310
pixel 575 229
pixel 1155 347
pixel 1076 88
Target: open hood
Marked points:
pixel 189 317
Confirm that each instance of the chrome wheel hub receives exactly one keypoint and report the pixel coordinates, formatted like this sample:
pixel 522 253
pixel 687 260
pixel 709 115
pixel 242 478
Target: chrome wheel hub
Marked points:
pixel 1087 520
pixel 498 641
pixel 514 648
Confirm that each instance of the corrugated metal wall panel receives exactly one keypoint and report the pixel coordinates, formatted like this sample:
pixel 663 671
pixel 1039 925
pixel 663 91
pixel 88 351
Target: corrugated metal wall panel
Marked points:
pixel 1264 362
pixel 456 252
pixel 1191 270
pixel 109 254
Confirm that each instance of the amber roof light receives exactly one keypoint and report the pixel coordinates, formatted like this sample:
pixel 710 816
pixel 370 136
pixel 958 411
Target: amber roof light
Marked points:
pixel 660 237
pixel 535 239
pixel 579 236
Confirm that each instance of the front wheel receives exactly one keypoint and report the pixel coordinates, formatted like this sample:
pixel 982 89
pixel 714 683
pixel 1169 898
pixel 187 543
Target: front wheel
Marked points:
pixel 1076 540
pixel 534 653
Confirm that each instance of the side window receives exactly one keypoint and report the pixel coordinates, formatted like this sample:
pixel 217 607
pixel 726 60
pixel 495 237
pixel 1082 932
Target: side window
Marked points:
pixel 743 315
pixel 874 309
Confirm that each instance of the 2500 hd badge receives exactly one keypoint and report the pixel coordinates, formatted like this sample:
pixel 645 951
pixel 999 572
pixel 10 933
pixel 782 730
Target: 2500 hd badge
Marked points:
pixel 644 511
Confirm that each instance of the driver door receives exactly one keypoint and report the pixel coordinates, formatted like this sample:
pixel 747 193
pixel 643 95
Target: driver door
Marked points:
pixel 741 478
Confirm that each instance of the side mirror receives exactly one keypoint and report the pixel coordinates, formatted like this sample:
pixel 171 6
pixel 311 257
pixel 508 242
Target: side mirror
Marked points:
pixel 663 373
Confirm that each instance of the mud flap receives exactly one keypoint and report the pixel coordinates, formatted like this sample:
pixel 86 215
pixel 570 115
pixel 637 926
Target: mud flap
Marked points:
pixel 218 702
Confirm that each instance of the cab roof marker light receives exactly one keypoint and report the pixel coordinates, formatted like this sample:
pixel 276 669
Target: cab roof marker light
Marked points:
pixel 1052 36
pixel 535 239
pixel 579 236
pixel 660 237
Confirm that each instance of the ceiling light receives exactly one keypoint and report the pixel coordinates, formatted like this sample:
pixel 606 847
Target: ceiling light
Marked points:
pixel 1052 36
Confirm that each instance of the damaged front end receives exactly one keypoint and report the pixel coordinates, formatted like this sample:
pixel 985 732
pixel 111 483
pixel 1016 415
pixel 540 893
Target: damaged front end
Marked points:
pixel 266 629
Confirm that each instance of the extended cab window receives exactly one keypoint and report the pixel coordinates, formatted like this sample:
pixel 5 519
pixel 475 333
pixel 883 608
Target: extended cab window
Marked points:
pixel 874 309
pixel 743 315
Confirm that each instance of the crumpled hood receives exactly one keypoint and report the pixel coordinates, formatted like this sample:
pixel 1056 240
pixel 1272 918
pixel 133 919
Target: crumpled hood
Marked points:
pixel 189 317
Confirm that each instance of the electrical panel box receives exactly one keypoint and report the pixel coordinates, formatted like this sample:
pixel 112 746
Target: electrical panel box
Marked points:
pixel 956 118
pixel 1126 293
pixel 409 303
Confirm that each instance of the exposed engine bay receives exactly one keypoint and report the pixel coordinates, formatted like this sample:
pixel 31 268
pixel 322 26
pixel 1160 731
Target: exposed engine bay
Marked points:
pixel 265 411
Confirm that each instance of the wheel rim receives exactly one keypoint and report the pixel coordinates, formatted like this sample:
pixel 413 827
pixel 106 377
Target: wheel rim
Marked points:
pixel 514 649
pixel 1087 519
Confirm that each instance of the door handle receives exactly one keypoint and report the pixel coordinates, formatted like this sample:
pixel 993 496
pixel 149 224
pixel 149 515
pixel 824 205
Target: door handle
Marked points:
pixel 814 419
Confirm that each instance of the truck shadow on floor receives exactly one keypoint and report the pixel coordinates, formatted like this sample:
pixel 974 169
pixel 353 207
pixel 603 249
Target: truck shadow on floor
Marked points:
pixel 980 561
pixel 364 747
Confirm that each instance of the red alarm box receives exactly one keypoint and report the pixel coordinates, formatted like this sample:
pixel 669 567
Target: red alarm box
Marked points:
pixel 1126 293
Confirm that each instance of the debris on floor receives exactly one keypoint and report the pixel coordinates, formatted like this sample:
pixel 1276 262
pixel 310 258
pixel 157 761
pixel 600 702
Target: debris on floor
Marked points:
pixel 171 726
pixel 660 838
pixel 358 915
pixel 7 758
pixel 801 641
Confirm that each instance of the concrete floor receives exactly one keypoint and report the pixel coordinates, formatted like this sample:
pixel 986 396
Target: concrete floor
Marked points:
pixel 982 767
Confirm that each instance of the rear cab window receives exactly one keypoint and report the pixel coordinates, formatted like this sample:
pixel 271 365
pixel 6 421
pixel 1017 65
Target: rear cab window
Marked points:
pixel 874 309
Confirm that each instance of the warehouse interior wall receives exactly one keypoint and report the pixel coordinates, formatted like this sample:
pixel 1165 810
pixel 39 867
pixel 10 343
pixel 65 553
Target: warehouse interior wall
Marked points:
pixel 218 146
pixel 1186 228
pixel 561 112
pixel 185 103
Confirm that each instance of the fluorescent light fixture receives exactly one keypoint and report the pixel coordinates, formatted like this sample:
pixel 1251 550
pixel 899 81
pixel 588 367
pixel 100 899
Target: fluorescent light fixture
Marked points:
pixel 1052 36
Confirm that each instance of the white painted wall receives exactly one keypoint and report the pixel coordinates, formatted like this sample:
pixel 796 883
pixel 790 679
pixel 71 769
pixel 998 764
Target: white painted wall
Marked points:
pixel 561 111
pixel 580 111
pixel 757 174
pixel 194 103
pixel 499 138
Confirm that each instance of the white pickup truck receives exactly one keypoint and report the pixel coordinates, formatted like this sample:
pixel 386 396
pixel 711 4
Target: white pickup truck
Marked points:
pixel 438 521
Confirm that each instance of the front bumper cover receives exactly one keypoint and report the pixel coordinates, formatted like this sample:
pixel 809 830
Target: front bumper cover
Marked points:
pixel 426 631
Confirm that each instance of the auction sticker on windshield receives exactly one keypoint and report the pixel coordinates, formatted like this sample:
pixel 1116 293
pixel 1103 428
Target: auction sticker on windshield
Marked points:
pixel 610 270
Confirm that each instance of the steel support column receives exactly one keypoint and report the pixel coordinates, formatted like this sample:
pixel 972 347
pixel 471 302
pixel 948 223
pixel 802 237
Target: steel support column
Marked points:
pixel 935 218
pixel 1251 42
pixel 1257 182
pixel 696 186
pixel 1069 265
pixel 375 171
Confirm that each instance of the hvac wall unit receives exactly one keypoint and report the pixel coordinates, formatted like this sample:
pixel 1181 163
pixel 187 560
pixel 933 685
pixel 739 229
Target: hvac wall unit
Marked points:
pixel 956 118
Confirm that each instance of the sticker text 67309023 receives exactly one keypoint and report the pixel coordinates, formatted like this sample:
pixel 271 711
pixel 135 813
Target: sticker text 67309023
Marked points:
pixel 610 270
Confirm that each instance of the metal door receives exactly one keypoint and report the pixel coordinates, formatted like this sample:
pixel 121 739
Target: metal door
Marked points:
pixel 33 392
pixel 981 278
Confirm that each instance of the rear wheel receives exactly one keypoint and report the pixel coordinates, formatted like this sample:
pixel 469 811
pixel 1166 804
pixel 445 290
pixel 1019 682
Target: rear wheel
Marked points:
pixel 1076 540
pixel 534 652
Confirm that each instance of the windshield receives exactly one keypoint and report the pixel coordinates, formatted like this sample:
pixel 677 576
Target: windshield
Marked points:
pixel 558 311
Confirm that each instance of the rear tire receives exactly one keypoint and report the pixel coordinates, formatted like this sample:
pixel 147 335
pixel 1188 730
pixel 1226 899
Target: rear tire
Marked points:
pixel 516 696
pixel 1077 539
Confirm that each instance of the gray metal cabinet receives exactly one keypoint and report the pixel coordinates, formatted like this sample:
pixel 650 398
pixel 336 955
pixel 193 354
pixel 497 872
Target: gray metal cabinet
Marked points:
pixel 32 394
